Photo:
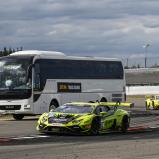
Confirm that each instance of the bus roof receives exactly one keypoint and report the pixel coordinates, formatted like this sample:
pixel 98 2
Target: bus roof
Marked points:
pixel 36 52
pixel 52 54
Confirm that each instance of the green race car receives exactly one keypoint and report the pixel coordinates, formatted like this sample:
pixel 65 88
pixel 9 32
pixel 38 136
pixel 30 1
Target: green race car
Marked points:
pixel 88 118
pixel 152 102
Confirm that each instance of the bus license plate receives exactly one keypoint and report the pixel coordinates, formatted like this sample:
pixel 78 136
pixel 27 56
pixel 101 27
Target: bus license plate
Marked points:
pixel 9 111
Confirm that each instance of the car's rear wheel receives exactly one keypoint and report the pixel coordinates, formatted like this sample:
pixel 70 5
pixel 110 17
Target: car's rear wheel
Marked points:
pixel 18 116
pixel 147 106
pixel 153 105
pixel 95 127
pixel 125 124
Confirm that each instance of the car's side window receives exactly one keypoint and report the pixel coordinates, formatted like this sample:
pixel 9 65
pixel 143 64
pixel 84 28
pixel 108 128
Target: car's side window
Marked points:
pixel 101 109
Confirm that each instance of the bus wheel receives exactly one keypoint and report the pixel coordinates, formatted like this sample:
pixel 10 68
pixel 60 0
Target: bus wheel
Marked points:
pixel 103 100
pixel 53 105
pixel 18 116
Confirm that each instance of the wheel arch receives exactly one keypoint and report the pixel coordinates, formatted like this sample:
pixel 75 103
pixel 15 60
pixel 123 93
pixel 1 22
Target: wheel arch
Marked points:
pixel 54 102
pixel 103 99
pixel 125 123
pixel 120 119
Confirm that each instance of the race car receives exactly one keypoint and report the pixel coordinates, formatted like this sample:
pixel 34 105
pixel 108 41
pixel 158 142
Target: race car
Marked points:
pixel 152 102
pixel 87 118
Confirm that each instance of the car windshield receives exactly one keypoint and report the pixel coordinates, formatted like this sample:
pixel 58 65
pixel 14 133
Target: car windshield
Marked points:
pixel 74 109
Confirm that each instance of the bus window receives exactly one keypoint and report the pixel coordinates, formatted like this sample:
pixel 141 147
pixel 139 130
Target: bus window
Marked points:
pixel 37 77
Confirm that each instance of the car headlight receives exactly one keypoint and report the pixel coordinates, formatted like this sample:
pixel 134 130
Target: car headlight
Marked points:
pixel 76 121
pixel 44 119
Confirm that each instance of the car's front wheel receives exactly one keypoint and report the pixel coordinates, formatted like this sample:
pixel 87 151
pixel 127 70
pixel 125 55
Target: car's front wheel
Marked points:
pixel 125 124
pixel 147 106
pixel 95 126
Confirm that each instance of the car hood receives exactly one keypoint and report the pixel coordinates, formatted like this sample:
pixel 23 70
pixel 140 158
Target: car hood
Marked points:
pixel 58 117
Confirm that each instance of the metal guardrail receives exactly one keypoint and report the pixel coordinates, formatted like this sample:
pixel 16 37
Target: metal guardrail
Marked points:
pixel 142 70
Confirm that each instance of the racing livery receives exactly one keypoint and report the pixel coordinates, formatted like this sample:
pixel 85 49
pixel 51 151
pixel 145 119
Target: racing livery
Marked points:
pixel 88 118
pixel 152 102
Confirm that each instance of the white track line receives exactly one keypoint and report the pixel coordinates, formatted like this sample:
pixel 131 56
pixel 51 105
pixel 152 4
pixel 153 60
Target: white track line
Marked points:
pixel 30 137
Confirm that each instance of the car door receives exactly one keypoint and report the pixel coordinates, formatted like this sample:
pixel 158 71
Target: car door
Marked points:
pixel 106 116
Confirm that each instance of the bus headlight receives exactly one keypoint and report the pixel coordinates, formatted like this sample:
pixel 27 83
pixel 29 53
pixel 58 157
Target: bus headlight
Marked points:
pixel 27 106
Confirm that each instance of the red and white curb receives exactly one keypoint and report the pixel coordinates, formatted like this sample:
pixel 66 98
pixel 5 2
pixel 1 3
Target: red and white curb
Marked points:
pixel 5 139
pixel 142 127
pixel 136 128
pixel 131 129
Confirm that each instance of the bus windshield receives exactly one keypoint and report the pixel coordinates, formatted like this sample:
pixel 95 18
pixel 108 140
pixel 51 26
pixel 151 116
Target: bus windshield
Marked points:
pixel 14 77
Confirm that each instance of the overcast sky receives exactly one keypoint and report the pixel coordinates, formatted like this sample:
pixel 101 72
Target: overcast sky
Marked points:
pixel 109 28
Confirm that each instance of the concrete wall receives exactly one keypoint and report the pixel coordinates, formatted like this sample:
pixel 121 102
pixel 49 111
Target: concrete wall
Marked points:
pixel 141 82
pixel 139 101
pixel 142 90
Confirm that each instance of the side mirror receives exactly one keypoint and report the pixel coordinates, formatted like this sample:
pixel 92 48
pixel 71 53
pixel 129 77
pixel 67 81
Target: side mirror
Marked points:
pixel 103 113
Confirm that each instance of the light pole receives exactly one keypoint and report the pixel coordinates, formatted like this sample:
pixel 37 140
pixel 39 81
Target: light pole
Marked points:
pixel 146 48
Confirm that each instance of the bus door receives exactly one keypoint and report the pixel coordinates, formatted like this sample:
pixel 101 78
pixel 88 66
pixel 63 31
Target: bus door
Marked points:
pixel 38 101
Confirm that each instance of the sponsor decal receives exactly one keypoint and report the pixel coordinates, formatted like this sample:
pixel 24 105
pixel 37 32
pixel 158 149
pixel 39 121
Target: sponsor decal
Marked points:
pixel 56 124
pixel 68 87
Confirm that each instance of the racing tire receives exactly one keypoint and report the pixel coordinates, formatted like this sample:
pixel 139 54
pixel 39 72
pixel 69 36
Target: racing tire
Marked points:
pixel 147 106
pixel 153 105
pixel 125 124
pixel 18 116
pixel 53 105
pixel 114 125
pixel 95 126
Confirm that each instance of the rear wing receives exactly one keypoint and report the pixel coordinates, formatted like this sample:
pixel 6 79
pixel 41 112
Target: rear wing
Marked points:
pixel 152 97
pixel 118 104
pixel 149 96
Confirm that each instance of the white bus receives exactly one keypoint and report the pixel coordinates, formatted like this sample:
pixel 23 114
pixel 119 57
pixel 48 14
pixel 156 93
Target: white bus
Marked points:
pixel 33 82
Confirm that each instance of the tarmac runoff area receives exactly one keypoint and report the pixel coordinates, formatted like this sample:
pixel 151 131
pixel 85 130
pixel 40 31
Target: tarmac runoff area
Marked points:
pixel 19 139
pixel 10 117
pixel 141 121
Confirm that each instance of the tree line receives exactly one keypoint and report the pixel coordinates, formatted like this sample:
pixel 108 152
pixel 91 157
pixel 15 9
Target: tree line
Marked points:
pixel 7 51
